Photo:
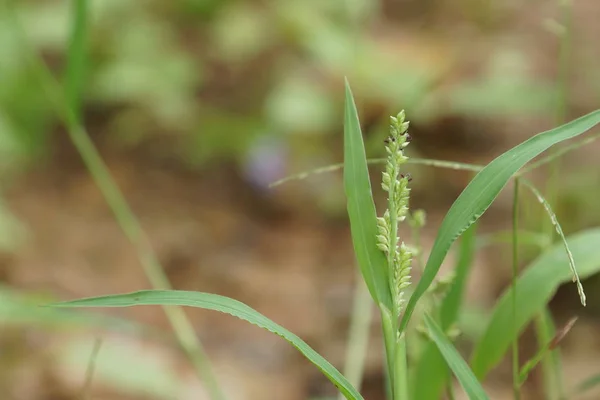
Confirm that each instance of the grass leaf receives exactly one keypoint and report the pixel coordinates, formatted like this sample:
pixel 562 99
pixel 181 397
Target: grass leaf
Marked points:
pixel 454 360
pixel 431 371
pixel 361 209
pixel 535 288
pixel 483 190
pixel 226 305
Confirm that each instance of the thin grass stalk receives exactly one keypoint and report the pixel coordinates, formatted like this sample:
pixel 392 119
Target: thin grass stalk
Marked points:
pixel 77 56
pixel 444 163
pixel 182 327
pixel 551 363
pixel 515 272
pixel 358 339
pixel 89 373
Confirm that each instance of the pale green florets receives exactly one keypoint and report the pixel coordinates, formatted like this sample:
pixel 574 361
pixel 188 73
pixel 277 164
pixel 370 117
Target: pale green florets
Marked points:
pixel 396 185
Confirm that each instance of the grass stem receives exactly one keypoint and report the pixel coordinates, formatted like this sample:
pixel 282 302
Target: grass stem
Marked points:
pixel 89 373
pixel 358 341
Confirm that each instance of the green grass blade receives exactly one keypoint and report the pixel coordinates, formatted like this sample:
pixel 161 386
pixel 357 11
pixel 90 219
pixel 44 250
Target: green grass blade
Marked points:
pixel 454 360
pixel 361 209
pixel 481 192
pixel 225 305
pixel 535 286
pixel 431 372
pixel 77 55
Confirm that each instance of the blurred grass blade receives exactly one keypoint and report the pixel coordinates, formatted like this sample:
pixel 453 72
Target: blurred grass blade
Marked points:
pixel 18 308
pixel 535 286
pixel 481 192
pixel 526 238
pixel 77 56
pixel 89 373
pixel 588 384
pixel 554 387
pixel 225 305
pixel 454 360
pixel 545 349
pixel 361 209
pixel 431 371
pixel 359 332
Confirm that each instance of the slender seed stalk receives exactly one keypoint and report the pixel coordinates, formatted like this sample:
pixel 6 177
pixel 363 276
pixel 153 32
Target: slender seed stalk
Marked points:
pixel 553 379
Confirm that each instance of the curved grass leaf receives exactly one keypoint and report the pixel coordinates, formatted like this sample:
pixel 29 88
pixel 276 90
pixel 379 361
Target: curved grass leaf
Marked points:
pixel 361 209
pixel 454 360
pixel 535 287
pixel 481 192
pixel 431 372
pixel 226 305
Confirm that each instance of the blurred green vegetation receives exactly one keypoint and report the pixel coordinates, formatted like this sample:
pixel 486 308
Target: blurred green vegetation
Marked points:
pixel 217 75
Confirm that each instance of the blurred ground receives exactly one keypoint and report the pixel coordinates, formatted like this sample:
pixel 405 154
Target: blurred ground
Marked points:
pixel 196 106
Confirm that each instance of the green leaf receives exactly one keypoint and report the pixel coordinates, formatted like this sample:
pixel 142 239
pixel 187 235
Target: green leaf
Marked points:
pixel 226 305
pixel 431 372
pixel 483 190
pixel 454 360
pixel 535 287
pixel 361 208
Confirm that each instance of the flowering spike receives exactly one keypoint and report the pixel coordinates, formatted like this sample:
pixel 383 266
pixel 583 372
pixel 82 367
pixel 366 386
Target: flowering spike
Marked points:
pixel 396 185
